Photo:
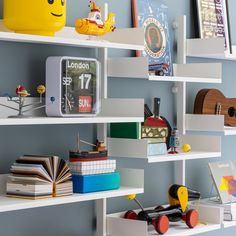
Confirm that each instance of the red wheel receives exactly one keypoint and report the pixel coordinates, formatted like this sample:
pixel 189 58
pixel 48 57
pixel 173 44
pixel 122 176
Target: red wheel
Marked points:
pixel 161 224
pixel 192 218
pixel 159 208
pixel 131 215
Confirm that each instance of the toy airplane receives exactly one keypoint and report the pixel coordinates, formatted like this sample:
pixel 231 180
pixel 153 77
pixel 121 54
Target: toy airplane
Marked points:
pixel 177 210
pixel 93 25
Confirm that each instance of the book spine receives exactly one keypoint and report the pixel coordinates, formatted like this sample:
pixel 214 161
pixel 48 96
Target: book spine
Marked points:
pixel 93 172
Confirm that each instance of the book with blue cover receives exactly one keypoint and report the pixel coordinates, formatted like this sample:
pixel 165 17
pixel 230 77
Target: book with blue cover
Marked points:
pixel 152 16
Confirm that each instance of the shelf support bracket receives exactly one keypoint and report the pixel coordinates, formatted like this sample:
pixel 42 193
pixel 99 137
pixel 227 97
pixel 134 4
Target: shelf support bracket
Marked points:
pixel 180 96
pixel 180 172
pixel 101 210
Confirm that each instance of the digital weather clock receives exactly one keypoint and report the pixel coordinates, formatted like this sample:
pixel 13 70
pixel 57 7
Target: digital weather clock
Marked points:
pixel 72 86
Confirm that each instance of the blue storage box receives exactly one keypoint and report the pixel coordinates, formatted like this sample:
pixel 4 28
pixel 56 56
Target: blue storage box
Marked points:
pixel 94 183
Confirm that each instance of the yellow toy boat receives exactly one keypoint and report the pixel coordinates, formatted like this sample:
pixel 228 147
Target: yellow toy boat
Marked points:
pixel 93 25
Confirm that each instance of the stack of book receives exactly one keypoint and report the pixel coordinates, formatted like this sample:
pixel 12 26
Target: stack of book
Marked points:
pixel 92 171
pixel 35 177
pixel 230 212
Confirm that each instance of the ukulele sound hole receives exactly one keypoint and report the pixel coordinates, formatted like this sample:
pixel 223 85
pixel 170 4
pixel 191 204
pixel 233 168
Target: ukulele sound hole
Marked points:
pixel 231 111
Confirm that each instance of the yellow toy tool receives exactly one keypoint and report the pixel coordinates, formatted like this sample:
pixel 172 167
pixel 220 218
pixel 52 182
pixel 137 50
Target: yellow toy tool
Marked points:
pixel 93 25
pixel 177 210
pixel 41 17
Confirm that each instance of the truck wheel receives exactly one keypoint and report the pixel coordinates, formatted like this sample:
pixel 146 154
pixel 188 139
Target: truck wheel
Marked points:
pixel 131 215
pixel 161 224
pixel 192 218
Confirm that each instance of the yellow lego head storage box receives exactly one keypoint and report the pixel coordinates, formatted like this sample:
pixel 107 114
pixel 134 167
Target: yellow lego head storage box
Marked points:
pixel 41 17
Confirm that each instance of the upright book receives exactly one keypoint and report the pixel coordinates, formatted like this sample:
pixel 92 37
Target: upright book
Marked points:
pixel 224 178
pixel 36 177
pixel 152 16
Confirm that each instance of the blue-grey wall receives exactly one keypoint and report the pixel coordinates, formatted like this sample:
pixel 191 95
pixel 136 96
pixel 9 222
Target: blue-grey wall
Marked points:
pixel 24 64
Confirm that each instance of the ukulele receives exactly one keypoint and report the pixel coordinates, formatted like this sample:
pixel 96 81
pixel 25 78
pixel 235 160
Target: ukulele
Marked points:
pixel 213 101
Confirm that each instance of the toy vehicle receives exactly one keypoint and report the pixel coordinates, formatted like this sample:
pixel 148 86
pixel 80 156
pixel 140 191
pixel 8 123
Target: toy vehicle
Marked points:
pixel 93 25
pixel 159 69
pixel 176 211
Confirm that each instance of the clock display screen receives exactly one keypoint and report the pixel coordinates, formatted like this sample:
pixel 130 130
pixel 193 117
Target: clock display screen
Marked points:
pixel 79 86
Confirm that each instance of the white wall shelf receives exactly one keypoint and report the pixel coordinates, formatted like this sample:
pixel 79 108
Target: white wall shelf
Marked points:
pixel 118 226
pixel 210 123
pixel 137 67
pixel 13 204
pixel 66 121
pixel 229 224
pixel 132 182
pixel 209 48
pixel 201 147
pixel 113 110
pixel 120 39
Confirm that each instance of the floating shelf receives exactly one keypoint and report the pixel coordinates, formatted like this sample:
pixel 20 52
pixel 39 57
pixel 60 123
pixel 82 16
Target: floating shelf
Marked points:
pixel 132 182
pixel 117 225
pixel 113 110
pixel 201 147
pixel 13 204
pixel 228 224
pixel 137 67
pixel 209 48
pixel 131 39
pixel 229 130
pixel 208 123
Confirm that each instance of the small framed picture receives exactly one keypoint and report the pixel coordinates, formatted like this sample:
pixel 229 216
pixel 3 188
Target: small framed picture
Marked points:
pixel 212 20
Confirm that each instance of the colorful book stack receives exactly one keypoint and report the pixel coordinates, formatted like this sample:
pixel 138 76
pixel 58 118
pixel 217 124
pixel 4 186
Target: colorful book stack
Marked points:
pixel 92 172
pixel 35 177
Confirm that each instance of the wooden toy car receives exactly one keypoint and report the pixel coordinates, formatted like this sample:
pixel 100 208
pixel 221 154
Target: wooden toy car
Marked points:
pixel 176 211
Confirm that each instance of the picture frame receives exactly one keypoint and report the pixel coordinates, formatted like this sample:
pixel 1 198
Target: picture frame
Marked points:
pixel 152 17
pixel 211 19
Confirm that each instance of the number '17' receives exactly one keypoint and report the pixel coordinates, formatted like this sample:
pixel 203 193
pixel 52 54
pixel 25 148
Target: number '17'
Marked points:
pixel 85 80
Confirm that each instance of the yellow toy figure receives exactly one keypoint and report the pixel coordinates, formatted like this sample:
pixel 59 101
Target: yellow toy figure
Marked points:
pixel 93 25
pixel 40 17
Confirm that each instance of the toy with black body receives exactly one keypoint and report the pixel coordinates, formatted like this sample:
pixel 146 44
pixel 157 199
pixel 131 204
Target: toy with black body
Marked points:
pixel 176 211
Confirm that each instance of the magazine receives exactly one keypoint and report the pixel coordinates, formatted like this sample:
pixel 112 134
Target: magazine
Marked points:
pixel 224 178
pixel 152 16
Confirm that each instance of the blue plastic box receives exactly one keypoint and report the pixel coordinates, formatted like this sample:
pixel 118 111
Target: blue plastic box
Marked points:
pixel 94 183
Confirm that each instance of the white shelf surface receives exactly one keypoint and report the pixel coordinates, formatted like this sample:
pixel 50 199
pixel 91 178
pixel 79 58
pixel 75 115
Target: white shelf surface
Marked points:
pixel 229 224
pixel 209 216
pixel 13 204
pixel 183 156
pixel 132 182
pixel 56 120
pixel 229 130
pixel 180 229
pixel 201 147
pixel 209 48
pixel 137 67
pixel 120 39
pixel 112 110
pixel 210 123
pixel 184 79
